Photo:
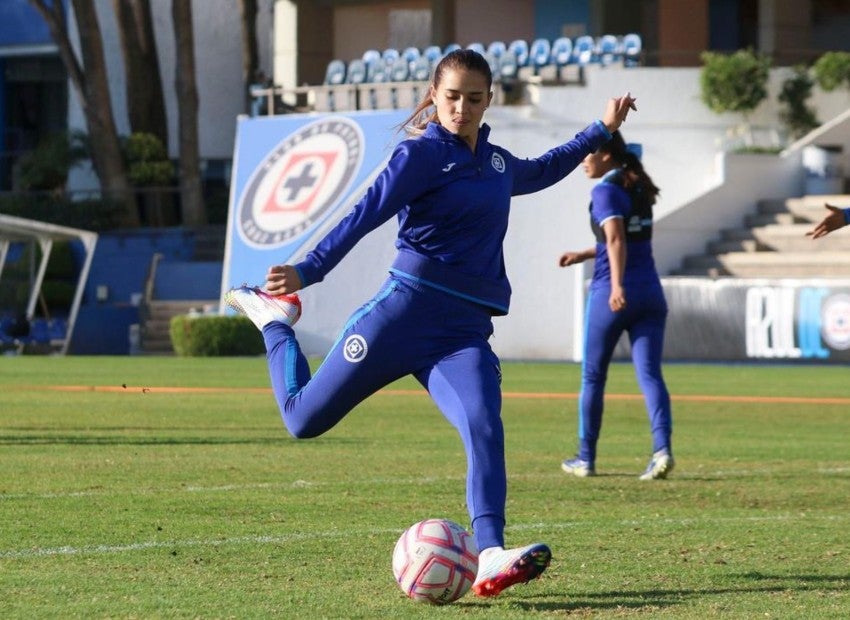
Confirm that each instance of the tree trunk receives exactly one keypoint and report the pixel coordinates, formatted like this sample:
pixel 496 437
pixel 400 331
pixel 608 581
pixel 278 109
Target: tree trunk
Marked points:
pixel 250 55
pixel 91 84
pixel 191 195
pixel 145 102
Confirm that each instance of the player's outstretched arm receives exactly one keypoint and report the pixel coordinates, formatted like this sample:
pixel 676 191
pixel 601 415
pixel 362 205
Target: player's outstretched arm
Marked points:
pixel 282 280
pixel 834 220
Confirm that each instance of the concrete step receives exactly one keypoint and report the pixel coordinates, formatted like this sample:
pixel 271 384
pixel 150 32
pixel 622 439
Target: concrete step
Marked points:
pixel 769 264
pixel 155 333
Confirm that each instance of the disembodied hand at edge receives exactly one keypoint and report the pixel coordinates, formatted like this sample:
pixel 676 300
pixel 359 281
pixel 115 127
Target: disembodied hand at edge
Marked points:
pixel 282 280
pixel 617 110
pixel 833 221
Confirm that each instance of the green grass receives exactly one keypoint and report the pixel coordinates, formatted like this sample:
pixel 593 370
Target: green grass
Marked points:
pixel 137 502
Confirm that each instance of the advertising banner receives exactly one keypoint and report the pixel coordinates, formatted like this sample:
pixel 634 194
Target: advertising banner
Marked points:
pixel 793 320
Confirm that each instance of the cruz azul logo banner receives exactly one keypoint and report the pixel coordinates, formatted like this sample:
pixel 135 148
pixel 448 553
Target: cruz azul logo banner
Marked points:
pixel 294 177
pixel 733 319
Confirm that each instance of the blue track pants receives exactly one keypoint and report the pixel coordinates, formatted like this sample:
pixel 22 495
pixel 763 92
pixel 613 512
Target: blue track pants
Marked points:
pixel 643 319
pixel 405 329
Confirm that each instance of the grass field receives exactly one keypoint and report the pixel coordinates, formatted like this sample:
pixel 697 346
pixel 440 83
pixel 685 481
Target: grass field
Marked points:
pixel 168 488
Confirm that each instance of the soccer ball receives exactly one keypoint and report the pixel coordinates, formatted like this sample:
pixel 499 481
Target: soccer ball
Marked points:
pixel 435 561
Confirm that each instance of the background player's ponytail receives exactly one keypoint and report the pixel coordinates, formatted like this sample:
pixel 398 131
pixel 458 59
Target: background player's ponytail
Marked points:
pixel 630 164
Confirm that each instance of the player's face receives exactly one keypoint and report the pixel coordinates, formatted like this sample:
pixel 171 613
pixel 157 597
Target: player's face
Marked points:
pixel 461 98
pixel 597 164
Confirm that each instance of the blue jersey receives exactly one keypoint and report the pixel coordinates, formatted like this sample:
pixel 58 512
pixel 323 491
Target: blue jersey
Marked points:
pixel 610 199
pixel 452 207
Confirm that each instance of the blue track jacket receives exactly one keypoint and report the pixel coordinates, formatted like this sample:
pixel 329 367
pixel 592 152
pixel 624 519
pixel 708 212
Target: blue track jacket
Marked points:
pixel 452 207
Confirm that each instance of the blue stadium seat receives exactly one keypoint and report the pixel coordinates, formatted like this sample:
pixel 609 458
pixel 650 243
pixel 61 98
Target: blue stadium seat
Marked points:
pixel 57 329
pixel 421 70
pixel 356 72
pixel 539 54
pixel 389 56
pixel 583 49
pixel 497 48
pixel 371 57
pixel 562 52
pixel 335 72
pixel 607 49
pixel 411 54
pixel 477 47
pixel 494 66
pixel 39 332
pixel 508 68
pixel 450 48
pixel 433 53
pixel 631 49
pixel 399 70
pixel 519 47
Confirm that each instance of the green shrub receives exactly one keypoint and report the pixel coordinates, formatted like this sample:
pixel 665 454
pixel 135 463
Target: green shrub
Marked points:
pixel 798 116
pixel 832 70
pixel 734 82
pixel 211 336
pixel 147 161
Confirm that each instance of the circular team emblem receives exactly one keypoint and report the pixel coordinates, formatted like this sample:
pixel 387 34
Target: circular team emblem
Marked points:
pixel 835 321
pixel 498 162
pixel 298 181
pixel 355 348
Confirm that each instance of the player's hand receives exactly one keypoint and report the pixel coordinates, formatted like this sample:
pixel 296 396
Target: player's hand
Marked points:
pixel 833 221
pixel 282 280
pixel 617 111
pixel 617 299
pixel 570 258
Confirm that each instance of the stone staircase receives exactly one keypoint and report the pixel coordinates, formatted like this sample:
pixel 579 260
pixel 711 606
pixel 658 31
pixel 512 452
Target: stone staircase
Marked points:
pixel 772 243
pixel 155 338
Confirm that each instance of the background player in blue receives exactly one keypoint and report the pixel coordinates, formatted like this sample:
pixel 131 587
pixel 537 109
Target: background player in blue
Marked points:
pixel 450 189
pixel 625 296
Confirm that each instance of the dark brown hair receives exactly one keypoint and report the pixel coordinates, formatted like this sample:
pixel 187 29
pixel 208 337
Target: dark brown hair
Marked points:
pixel 630 164
pixel 458 59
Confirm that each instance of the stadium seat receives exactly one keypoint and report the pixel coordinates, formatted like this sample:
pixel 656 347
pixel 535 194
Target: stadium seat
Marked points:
pixel 57 329
pixel 433 53
pixel 39 331
pixel 519 47
pixel 450 48
pixel 335 72
pixel 389 56
pixel 371 57
pixel 356 72
pixel 421 71
pixel 477 47
pixel 494 66
pixel 607 49
pixel 399 70
pixel 583 50
pixel 539 54
pixel 411 55
pixel 508 68
pixel 631 49
pixel 562 52
pixel 497 48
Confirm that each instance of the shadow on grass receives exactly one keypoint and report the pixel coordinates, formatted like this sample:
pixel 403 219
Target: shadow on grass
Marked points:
pixel 653 600
pixel 119 440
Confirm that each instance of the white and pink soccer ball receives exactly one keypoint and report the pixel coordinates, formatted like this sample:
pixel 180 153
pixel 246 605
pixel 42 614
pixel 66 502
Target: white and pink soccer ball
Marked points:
pixel 435 561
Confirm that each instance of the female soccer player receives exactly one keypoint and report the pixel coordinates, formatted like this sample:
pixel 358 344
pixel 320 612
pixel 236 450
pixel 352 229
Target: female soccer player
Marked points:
pixel 625 296
pixel 450 189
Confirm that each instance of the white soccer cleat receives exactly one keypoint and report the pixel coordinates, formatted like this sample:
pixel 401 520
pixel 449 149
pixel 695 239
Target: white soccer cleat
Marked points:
pixel 501 568
pixel 660 465
pixel 578 467
pixel 263 308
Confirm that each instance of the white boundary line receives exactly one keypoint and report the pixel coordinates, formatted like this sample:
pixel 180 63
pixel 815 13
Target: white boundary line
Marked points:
pixel 22 554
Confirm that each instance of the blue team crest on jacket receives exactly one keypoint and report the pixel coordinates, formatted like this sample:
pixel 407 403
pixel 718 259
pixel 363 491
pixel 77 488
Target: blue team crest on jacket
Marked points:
pixel 298 181
pixel 498 162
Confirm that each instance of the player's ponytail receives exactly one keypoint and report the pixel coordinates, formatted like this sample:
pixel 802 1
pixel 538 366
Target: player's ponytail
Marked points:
pixel 630 164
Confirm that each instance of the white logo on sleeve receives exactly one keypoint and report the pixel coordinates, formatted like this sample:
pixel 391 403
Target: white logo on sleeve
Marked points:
pixel 355 348
pixel 498 162
pixel 449 167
